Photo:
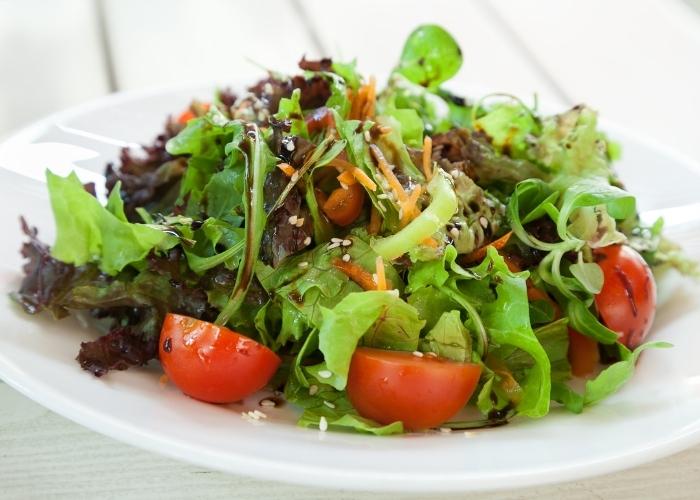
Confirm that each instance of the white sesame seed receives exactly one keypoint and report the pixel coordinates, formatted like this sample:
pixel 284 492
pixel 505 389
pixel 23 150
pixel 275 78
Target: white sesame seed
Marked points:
pixel 292 219
pixel 418 354
pixel 454 232
pixel 259 414
pixel 455 173
pixel 483 221
pixel 267 88
pixel 469 434
pixel 295 177
pixel 323 424
pixel 346 257
pixel 268 403
pixel 300 222
pixel 333 245
pixel 368 137
pixel 346 243
pixel 313 390
pixel 400 213
pixel 336 240
pixel 325 374
pixel 445 430
pixel 303 264
pixel 329 404
pixel 393 292
pixel 307 241
pixel 431 354
pixel 289 145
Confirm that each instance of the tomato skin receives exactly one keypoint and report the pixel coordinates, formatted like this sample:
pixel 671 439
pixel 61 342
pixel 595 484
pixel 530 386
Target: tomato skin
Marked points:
pixel 319 119
pixel 212 363
pixel 583 354
pixel 344 206
pixel 422 392
pixel 627 301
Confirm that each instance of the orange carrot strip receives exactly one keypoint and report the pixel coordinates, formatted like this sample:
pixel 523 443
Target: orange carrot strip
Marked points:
pixel 355 273
pixel 364 179
pixel 428 157
pixel 479 254
pixel 390 177
pixel 287 169
pixel 375 221
pixel 347 178
pixel 381 275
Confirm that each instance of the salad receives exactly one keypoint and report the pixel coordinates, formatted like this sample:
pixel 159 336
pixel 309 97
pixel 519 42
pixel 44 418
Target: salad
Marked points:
pixel 380 257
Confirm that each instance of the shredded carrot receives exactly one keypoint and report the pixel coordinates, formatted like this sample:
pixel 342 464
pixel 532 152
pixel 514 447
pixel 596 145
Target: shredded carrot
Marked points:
pixel 355 273
pixel 347 178
pixel 409 208
pixel 479 254
pixel 287 169
pixel 375 221
pixel 358 103
pixel 430 242
pixel 381 275
pixel 363 179
pixel 390 177
pixel 341 164
pixel 428 157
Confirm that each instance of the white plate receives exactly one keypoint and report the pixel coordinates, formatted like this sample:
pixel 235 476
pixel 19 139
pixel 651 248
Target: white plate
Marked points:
pixel 656 414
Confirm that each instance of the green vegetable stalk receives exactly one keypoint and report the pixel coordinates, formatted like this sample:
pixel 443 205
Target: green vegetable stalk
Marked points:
pixel 438 213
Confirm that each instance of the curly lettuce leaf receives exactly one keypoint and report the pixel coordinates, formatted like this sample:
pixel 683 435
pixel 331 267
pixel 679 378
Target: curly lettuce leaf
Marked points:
pixel 449 338
pixel 88 232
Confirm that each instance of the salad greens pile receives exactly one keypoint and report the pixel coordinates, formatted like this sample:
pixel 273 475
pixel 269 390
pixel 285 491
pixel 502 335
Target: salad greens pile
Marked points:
pixel 464 207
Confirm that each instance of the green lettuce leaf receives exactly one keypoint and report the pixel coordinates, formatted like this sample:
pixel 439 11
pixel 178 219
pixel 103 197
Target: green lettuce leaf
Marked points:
pixel 430 56
pixel 449 338
pixel 88 232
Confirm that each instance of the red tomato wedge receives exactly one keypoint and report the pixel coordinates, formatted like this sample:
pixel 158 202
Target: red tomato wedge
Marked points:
pixel 422 392
pixel 627 301
pixel 212 363
pixel 583 354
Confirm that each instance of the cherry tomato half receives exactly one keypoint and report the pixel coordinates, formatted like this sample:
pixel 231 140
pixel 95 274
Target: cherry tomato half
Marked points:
pixel 422 392
pixel 344 206
pixel 627 301
pixel 212 363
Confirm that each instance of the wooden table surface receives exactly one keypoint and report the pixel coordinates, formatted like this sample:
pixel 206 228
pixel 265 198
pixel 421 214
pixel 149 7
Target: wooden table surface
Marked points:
pixel 637 62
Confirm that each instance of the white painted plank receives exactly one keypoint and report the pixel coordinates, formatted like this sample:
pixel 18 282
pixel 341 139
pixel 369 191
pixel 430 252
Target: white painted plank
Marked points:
pixel 636 61
pixel 168 42
pixel 44 455
pixel 50 58
pixel 374 33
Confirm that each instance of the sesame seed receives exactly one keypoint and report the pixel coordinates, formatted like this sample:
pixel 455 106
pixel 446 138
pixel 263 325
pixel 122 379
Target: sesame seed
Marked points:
pixel 368 137
pixel 300 222
pixel 303 264
pixel 336 240
pixel 307 241
pixel 293 219
pixel 259 414
pixel 333 245
pixel 346 257
pixel 445 430
pixel 323 424
pixel 289 145
pixel 267 88
pixel 267 403
pixel 329 404
pixel 469 434
pixel 418 354
pixel 295 177
pixel 313 390
pixel 325 374
pixel 346 243
pixel 431 354
pixel 454 232
pixel 455 173
pixel 483 221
